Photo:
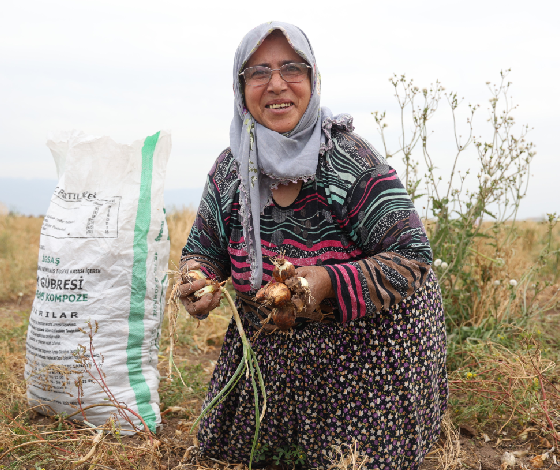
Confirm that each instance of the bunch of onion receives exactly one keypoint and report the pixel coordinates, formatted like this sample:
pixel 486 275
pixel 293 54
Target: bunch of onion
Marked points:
pixel 286 293
pixel 248 366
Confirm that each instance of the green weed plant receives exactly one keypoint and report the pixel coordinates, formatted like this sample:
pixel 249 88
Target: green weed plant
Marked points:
pixel 285 456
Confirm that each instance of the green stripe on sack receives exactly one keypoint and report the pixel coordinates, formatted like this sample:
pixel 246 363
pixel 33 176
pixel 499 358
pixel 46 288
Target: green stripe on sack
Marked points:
pixel 138 291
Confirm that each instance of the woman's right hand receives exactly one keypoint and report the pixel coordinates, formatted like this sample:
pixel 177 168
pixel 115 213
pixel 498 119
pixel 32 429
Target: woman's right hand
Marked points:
pixel 203 306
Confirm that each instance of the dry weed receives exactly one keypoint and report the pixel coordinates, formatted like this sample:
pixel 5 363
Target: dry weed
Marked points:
pixel 511 256
pixel 179 224
pixel 509 386
pixel 449 454
pixel 19 249
pixel 346 457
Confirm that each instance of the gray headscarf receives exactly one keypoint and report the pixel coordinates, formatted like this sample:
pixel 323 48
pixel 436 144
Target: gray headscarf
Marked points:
pixel 267 158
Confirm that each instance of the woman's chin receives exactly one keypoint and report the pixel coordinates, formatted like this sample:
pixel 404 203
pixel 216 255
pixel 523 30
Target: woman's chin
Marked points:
pixel 280 125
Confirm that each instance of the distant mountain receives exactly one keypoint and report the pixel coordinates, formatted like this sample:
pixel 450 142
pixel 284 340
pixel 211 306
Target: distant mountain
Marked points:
pixel 26 196
pixel 32 196
pixel 177 198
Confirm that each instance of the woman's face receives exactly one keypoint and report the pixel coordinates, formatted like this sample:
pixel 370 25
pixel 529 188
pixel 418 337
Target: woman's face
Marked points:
pixel 274 52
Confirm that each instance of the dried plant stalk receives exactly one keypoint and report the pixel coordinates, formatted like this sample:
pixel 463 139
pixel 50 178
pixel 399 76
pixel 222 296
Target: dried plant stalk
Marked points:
pixel 450 455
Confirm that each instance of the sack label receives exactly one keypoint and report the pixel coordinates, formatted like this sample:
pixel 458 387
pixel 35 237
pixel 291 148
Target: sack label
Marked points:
pixel 82 217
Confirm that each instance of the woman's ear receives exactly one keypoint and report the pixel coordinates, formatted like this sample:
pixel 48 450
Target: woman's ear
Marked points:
pixel 242 87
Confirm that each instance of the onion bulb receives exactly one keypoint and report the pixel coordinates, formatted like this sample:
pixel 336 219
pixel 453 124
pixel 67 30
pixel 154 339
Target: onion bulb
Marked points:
pixel 209 288
pixel 194 275
pixel 297 283
pixel 274 293
pixel 283 269
pixel 284 317
pixel 298 303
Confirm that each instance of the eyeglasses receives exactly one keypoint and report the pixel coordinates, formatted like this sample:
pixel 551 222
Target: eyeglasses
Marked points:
pixel 260 75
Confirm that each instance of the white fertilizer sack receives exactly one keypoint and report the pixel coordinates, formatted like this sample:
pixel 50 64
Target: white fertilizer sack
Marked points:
pixel 102 270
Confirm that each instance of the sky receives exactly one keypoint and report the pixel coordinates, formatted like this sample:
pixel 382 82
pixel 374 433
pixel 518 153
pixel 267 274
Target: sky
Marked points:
pixel 130 68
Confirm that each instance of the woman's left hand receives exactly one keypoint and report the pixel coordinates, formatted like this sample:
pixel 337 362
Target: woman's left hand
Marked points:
pixel 320 284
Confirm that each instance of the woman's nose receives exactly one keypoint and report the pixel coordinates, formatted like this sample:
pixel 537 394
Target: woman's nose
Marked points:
pixel 276 81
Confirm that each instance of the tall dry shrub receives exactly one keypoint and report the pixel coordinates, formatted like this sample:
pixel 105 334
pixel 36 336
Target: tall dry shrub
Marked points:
pixel 471 211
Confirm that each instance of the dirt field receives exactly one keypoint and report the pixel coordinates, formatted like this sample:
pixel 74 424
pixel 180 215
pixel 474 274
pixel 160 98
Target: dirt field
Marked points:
pixel 498 402
pixel 478 447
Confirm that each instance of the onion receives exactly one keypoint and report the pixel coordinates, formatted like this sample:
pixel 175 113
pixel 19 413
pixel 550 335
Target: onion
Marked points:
pixel 261 294
pixel 210 288
pixel 297 283
pixel 298 303
pixel 194 275
pixel 275 294
pixel 283 269
pixel 285 317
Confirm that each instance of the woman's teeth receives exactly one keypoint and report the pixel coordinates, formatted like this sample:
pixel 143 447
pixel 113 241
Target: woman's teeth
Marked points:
pixel 281 105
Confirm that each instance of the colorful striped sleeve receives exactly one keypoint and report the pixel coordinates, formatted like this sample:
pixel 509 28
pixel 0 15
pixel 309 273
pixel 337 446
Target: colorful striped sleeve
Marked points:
pixel 207 243
pixel 379 217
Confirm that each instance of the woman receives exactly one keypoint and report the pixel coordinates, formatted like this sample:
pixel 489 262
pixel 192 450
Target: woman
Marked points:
pixel 369 364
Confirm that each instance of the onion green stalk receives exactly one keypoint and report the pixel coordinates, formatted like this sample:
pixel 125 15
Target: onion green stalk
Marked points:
pixel 248 366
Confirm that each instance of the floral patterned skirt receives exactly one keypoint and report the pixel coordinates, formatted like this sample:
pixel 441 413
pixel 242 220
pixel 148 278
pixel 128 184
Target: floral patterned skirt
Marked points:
pixel 380 381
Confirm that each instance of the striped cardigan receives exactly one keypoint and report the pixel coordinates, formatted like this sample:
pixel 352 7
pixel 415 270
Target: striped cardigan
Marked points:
pixel 355 219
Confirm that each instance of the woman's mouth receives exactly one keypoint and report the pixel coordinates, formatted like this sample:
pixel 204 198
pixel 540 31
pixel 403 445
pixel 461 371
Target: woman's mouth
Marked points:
pixel 279 105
